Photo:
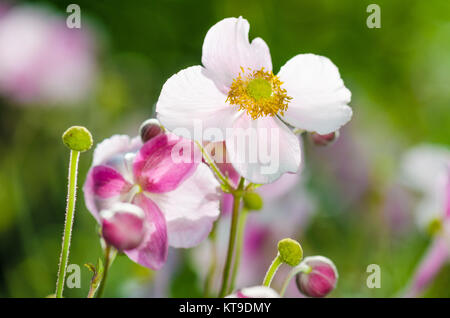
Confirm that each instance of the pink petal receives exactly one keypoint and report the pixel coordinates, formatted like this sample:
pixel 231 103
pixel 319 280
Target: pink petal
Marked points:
pixel 264 149
pixel 226 49
pixel 434 259
pixel 107 182
pixel 156 168
pixel 102 188
pixel 191 209
pixel 190 100
pixel 123 226
pixel 152 252
pixel 319 96
pixel 279 188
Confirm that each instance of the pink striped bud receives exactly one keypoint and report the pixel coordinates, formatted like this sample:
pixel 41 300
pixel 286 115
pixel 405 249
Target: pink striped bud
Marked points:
pixel 318 278
pixel 123 226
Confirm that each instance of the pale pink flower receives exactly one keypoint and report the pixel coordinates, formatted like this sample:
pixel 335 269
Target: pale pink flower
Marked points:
pixel 235 90
pixel 42 60
pixel 179 200
pixel 425 169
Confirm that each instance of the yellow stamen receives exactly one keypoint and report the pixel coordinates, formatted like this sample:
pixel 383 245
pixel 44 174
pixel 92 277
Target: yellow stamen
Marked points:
pixel 259 93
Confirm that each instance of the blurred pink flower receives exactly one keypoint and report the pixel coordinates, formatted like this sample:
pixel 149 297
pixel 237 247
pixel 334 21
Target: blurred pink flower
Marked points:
pixel 42 60
pixel 180 200
pixel 235 90
pixel 426 169
pixel 434 258
pixel 255 292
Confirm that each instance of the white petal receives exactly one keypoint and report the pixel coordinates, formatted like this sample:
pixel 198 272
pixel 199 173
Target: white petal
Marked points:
pixel 319 96
pixel 115 145
pixel 191 209
pixel 226 49
pixel 425 167
pixel 190 100
pixel 262 150
pixel 255 292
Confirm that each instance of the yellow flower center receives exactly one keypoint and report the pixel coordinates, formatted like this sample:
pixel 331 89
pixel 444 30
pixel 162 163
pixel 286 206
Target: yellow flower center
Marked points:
pixel 259 93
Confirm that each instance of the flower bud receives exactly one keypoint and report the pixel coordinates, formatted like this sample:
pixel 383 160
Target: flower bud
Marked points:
pixel 318 278
pixel 252 201
pixel 324 140
pixel 290 251
pixel 255 292
pixel 150 129
pixel 77 138
pixel 123 226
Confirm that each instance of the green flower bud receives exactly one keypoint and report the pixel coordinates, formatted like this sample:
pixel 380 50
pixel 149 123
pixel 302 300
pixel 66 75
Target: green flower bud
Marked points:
pixel 252 201
pixel 290 251
pixel 77 138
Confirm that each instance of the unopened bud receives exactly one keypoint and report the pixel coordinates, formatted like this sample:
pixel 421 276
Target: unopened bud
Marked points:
pixel 324 140
pixel 150 129
pixel 319 277
pixel 123 226
pixel 255 292
pixel 252 201
pixel 290 251
pixel 77 138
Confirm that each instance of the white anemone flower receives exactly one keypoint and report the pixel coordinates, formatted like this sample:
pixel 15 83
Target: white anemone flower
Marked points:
pixel 236 93
pixel 426 169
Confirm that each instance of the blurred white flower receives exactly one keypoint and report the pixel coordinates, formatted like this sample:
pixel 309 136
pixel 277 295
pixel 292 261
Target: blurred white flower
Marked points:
pixel 43 61
pixel 425 169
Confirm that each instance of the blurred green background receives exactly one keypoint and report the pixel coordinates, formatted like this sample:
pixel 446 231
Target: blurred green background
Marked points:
pixel 399 78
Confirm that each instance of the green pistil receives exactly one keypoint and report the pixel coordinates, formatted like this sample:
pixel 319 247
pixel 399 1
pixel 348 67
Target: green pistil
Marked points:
pixel 259 88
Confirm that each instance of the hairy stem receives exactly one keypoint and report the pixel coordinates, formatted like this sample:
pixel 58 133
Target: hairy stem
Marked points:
pixel 294 271
pixel 237 195
pixel 70 210
pixel 272 270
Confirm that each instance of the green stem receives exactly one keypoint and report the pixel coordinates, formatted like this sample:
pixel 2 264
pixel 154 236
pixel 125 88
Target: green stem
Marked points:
pixel 108 263
pixel 216 170
pixel 272 270
pixel 213 265
pixel 294 271
pixel 239 241
pixel 231 242
pixel 70 209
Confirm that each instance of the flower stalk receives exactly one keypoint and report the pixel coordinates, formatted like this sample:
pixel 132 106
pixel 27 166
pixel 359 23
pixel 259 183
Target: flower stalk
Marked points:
pixel 237 195
pixel 70 211
pixel 108 262
pixel 239 244
pixel 302 268
pixel 272 270
pixel 78 139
